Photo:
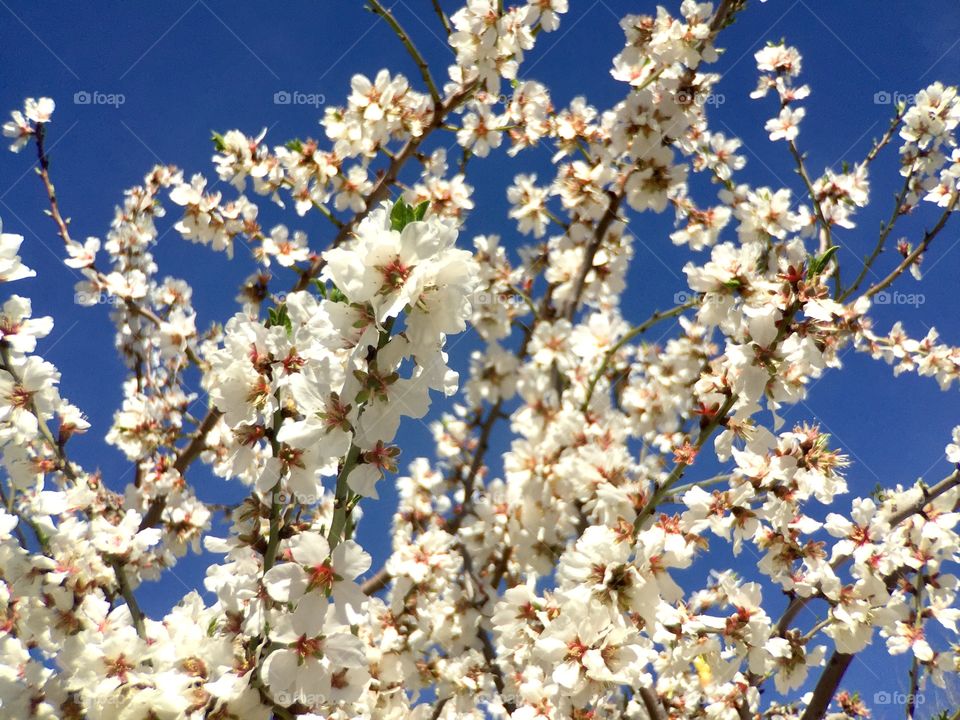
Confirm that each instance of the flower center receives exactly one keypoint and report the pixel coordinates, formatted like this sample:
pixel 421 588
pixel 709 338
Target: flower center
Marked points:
pixel 395 274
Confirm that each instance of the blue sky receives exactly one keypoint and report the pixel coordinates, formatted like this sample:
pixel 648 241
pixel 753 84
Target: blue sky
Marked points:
pixel 186 68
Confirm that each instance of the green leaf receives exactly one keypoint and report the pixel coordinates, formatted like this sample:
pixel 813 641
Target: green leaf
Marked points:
pixel 398 216
pixel 278 316
pixel 330 292
pixel 403 214
pixel 295 145
pixel 817 264
pixel 218 142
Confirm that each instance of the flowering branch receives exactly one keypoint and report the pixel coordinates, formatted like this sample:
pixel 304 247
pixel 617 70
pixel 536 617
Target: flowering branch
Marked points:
pixel 917 252
pixel 885 230
pixel 928 495
pixel 627 337
pixel 717 419
pixel 381 189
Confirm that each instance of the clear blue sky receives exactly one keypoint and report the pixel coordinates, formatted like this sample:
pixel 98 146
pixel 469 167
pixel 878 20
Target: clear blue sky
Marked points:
pixel 185 68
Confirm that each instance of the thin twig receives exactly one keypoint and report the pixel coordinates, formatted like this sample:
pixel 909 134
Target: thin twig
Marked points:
pixel 411 48
pixel 630 335
pixel 818 209
pixel 886 137
pixel 885 231
pixel 661 492
pixel 917 252
pixel 43 170
pixel 442 15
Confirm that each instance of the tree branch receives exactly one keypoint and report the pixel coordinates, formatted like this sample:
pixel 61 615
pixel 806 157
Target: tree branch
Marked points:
pixel 827 686
pixel 917 252
pixel 411 48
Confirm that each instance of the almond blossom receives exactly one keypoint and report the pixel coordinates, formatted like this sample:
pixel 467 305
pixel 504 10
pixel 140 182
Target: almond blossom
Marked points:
pixel 621 517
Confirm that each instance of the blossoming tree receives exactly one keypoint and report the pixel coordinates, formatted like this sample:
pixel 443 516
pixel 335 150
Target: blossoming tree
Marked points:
pixel 553 586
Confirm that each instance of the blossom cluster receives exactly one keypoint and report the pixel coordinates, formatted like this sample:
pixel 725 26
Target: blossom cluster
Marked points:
pixel 586 572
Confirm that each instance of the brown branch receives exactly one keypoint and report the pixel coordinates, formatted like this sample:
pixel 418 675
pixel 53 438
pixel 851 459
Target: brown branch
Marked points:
pixel 490 655
pixel 724 15
pixel 411 49
pixel 442 15
pixel 438 708
pixel 886 137
pixel 376 582
pixel 44 172
pixel 590 252
pixel 63 229
pixel 885 231
pixel 652 704
pixel 186 456
pixel 917 252
pixel 827 686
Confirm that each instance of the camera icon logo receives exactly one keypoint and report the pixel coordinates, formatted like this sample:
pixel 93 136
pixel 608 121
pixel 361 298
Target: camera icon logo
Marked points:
pixel 82 97
pixel 282 97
